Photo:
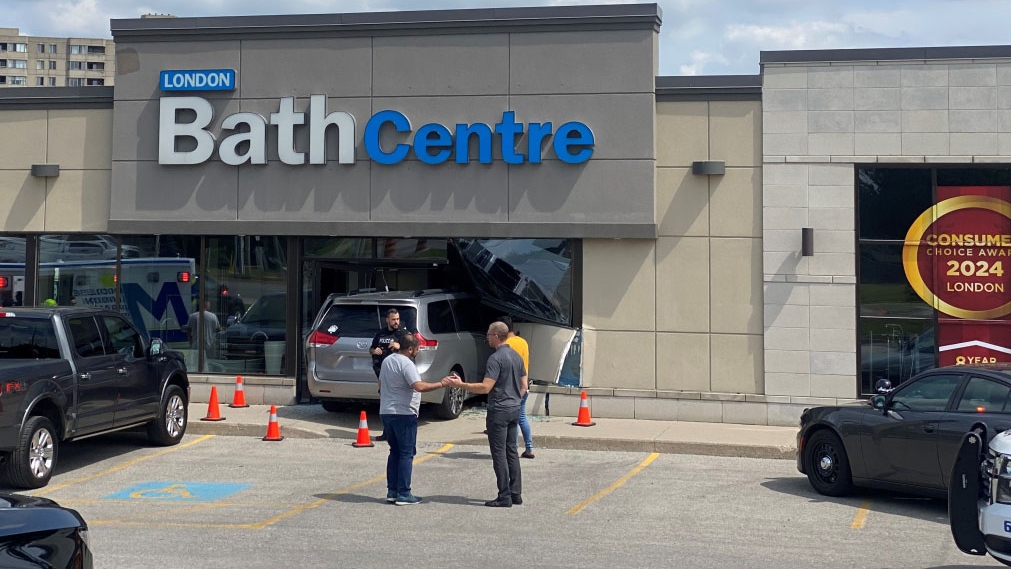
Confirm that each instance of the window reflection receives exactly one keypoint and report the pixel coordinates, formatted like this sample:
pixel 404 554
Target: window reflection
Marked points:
pixel 12 271
pixel 532 277
pixel 894 349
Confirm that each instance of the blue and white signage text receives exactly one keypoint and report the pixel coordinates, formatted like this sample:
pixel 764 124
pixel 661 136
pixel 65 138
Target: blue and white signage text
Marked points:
pixel 197 80
pixel 389 136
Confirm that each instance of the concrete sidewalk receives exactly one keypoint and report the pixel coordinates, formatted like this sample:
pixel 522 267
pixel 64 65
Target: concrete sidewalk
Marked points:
pixel 675 437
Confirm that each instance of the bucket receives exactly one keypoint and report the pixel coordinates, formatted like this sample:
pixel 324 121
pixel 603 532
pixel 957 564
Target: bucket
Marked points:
pixel 273 353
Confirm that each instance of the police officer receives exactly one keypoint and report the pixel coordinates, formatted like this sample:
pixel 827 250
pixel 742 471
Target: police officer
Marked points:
pixel 387 341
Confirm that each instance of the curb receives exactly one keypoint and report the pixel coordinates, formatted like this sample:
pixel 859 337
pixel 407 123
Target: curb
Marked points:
pixel 224 428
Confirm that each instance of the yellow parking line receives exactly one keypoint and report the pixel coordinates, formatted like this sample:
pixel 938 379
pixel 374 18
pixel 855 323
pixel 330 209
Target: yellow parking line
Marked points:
pixel 127 464
pixel 579 507
pixel 861 517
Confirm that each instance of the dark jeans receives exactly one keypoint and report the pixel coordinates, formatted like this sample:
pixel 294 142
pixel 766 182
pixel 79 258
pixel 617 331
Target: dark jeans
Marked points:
pixel 502 431
pixel 402 435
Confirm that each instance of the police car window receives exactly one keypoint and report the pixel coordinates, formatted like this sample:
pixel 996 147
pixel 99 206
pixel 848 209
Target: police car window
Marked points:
pixel 440 318
pixel 930 393
pixel 984 395
pixel 87 339
pixel 122 338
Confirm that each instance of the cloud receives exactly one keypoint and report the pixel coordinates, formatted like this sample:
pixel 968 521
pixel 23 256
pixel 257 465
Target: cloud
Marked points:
pixel 796 35
pixel 699 59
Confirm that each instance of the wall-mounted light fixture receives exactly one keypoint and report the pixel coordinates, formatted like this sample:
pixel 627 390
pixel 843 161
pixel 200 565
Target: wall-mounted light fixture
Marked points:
pixel 807 241
pixel 45 170
pixel 709 167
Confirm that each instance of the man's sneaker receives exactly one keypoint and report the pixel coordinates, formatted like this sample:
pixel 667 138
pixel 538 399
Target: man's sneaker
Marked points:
pixel 517 499
pixel 407 500
pixel 391 496
pixel 527 454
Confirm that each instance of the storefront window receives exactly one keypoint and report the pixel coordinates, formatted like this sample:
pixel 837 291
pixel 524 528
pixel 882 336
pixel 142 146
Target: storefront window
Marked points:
pixel 529 277
pixel 894 349
pixel 12 271
pixel 890 199
pixel 78 269
pixel 932 287
pixel 246 288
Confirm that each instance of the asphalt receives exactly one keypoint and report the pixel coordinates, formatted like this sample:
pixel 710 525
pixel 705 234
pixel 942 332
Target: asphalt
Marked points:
pixel 671 437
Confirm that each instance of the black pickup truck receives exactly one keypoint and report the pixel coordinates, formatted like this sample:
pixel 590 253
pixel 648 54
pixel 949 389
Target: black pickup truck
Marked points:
pixel 70 373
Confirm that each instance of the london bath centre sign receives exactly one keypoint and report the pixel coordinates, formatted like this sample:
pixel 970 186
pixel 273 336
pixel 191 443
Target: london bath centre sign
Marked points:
pixel 389 137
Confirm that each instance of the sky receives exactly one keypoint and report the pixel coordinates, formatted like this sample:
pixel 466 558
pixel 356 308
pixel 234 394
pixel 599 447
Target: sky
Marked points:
pixel 697 37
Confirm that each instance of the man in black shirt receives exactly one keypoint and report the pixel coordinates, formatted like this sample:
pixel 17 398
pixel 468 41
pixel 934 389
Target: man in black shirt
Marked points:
pixel 387 341
pixel 505 382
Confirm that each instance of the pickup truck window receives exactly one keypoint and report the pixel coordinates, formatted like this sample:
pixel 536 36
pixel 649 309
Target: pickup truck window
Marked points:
pixel 122 338
pixel 87 339
pixel 27 339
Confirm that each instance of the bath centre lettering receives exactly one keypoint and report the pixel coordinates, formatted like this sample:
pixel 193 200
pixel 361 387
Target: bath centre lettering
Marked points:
pixel 388 137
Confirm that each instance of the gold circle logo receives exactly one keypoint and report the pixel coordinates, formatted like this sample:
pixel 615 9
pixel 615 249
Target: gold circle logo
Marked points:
pixel 914 239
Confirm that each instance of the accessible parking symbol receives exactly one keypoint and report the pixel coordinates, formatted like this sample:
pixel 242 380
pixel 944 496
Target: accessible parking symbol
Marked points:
pixel 178 491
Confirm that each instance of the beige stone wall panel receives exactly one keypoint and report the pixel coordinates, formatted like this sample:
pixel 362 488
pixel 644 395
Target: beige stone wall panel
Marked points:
pixel 735 284
pixel 622 360
pixel 682 276
pixel 682 362
pixel 682 202
pixel 737 363
pixel 735 203
pixel 619 279
pixel 735 130
pixel 78 200
pixel 81 139
pixel 29 145
pixel 23 198
pixel 682 133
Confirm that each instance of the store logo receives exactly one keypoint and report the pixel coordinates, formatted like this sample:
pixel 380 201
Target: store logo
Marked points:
pixel 955 255
pixel 389 137
pixel 197 80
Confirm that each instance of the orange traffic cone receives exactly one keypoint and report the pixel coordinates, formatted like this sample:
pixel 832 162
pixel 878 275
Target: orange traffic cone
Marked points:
pixel 212 407
pixel 583 420
pixel 363 433
pixel 239 397
pixel 273 429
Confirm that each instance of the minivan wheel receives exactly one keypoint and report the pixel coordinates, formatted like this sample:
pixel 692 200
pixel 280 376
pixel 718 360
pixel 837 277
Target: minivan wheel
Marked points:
pixel 452 400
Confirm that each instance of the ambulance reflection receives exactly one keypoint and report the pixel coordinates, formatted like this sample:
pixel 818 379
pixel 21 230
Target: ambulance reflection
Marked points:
pixel 897 356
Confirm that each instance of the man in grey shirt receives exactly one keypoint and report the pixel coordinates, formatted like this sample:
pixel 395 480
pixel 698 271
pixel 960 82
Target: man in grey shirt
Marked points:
pixel 399 400
pixel 505 382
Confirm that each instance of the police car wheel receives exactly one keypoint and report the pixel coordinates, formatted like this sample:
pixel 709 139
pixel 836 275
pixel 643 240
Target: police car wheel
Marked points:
pixel 828 467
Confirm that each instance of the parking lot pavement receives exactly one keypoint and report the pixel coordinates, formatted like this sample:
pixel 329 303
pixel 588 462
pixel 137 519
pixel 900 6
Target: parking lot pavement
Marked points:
pixel 238 501
pixel 667 437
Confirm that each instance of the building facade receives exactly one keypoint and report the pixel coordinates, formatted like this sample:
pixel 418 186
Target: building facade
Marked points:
pixel 717 249
pixel 36 61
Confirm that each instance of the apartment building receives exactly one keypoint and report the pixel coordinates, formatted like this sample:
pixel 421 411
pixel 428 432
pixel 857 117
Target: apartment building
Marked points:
pixel 36 61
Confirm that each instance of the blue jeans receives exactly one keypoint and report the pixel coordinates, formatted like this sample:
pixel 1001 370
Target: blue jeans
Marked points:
pixel 528 438
pixel 402 435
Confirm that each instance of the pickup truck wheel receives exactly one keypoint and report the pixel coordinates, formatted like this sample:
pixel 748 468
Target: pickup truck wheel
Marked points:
pixel 170 426
pixel 32 463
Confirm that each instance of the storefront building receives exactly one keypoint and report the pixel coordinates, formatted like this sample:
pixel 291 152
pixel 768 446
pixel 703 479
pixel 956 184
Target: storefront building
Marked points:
pixel 717 249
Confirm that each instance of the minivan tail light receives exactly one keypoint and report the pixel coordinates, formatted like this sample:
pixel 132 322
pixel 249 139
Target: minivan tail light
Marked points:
pixel 321 339
pixel 426 344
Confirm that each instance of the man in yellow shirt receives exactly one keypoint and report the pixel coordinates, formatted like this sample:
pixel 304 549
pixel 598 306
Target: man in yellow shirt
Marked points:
pixel 520 346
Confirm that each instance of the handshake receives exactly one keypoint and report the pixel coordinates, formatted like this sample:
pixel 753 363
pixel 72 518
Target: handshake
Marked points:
pixel 451 380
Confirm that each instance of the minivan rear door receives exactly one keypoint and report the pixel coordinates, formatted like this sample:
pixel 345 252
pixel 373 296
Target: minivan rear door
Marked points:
pixel 354 325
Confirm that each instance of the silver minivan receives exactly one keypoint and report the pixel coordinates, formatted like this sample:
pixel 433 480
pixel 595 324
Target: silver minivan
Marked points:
pixel 450 327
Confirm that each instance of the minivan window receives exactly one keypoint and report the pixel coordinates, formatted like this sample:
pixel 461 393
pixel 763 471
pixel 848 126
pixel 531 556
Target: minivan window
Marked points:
pixel 440 318
pixel 364 321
